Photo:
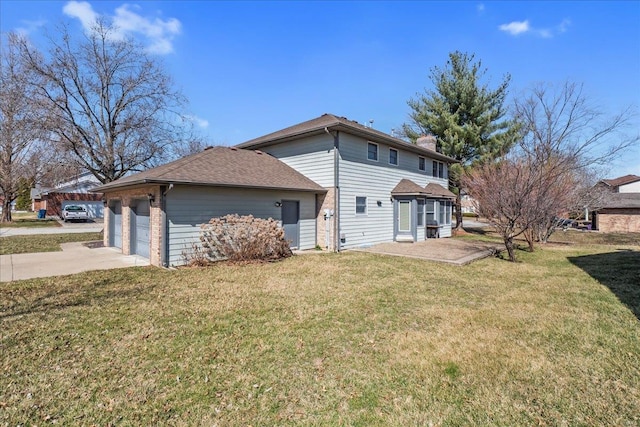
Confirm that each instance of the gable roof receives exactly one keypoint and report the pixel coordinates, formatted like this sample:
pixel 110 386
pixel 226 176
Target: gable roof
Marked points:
pixel 616 182
pixel 222 167
pixel 330 122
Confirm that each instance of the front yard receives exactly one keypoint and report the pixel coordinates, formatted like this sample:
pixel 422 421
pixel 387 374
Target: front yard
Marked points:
pixel 330 339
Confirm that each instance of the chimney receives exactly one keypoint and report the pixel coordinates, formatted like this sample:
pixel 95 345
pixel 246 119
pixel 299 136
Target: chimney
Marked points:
pixel 427 141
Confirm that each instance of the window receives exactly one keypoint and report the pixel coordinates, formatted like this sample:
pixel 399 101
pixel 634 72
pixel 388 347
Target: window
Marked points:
pixel 420 220
pixel 442 213
pixel 448 215
pixel 431 216
pixel 393 156
pixel 361 205
pixel 404 215
pixel 422 164
pixel 438 169
pixel 372 151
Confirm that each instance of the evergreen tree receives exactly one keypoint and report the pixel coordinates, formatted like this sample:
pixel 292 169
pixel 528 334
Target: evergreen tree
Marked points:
pixel 466 116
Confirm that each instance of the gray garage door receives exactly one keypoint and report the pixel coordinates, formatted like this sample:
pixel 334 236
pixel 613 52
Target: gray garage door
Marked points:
pixel 94 209
pixel 115 224
pixel 140 229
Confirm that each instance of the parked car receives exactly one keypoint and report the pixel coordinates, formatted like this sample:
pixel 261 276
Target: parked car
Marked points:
pixel 74 213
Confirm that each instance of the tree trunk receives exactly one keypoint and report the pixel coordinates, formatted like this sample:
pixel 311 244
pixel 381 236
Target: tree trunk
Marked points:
pixel 508 243
pixel 6 210
pixel 529 236
pixel 458 211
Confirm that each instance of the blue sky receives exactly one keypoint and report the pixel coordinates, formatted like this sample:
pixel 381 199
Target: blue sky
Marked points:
pixel 250 68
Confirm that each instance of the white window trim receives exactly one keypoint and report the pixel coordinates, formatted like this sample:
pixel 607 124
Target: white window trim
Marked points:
pixel 366 206
pixel 424 162
pixel 377 151
pixel 397 157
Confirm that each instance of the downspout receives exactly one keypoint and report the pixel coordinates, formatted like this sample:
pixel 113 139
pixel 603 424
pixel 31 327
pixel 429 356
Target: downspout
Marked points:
pixel 164 225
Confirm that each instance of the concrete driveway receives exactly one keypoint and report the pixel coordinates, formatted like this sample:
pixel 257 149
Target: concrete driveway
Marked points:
pixel 75 257
pixel 450 250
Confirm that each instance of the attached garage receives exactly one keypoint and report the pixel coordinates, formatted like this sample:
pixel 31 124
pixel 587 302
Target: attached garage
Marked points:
pixel 161 209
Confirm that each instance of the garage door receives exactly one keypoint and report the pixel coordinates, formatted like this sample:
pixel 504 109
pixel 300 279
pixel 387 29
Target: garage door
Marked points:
pixel 140 229
pixel 115 224
pixel 94 209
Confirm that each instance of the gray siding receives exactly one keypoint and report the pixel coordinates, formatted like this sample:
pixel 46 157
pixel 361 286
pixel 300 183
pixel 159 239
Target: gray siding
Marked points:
pixel 374 180
pixel 188 207
pixel 311 156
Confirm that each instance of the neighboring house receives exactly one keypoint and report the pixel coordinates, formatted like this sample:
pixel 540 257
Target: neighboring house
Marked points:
pixel 468 204
pixel 620 210
pixel 75 191
pixel 330 181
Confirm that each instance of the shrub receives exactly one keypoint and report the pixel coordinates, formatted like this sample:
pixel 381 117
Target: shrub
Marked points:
pixel 243 238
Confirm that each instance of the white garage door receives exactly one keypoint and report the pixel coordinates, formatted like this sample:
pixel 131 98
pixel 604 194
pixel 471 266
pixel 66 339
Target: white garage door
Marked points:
pixel 94 209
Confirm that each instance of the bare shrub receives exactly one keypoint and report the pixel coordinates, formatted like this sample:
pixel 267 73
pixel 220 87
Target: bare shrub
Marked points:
pixel 243 238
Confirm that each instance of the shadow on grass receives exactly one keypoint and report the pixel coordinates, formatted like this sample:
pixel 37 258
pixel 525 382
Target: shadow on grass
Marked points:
pixel 100 292
pixel 619 271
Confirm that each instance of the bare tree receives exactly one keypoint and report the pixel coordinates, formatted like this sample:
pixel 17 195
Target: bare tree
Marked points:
pixel 563 139
pixel 21 125
pixel 113 106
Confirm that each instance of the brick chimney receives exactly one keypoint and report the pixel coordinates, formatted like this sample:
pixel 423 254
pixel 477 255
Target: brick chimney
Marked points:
pixel 427 141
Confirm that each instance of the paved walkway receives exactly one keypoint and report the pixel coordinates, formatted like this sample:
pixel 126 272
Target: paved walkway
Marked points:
pixel 74 258
pixel 452 251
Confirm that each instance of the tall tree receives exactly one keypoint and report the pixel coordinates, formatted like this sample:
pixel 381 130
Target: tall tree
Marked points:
pixel 21 124
pixel 466 116
pixel 113 106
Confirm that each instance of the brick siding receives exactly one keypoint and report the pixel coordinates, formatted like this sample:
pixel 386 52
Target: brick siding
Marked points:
pixel 619 220
pixel 325 201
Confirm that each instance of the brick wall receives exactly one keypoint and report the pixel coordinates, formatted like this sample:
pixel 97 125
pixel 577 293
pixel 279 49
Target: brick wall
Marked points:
pixel 325 201
pixel 129 198
pixel 619 220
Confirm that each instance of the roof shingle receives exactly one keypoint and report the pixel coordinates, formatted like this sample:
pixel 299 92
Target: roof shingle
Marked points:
pixel 616 182
pixel 223 166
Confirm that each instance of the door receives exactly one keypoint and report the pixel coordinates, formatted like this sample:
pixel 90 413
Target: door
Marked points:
pixel 291 222
pixel 115 224
pixel 140 228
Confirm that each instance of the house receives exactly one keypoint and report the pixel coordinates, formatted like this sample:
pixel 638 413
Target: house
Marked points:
pixel 75 191
pixel 330 181
pixel 620 210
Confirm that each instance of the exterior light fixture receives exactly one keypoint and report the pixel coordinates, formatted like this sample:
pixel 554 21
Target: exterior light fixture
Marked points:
pixel 151 197
pixel 278 204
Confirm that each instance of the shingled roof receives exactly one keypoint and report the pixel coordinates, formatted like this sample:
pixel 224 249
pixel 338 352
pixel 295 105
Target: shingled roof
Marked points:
pixel 406 187
pixel 222 167
pixel 330 122
pixel 622 201
pixel 616 182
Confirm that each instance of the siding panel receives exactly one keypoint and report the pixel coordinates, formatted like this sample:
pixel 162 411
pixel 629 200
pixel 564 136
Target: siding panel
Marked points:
pixel 189 207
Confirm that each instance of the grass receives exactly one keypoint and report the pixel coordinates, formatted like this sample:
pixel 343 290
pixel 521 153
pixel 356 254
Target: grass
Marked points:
pixel 30 223
pixel 330 339
pixel 42 242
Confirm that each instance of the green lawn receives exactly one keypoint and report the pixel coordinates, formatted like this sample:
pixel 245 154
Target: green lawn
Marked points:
pixel 42 242
pixel 330 339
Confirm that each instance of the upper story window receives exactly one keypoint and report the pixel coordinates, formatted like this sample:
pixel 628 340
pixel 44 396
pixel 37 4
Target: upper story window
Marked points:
pixel 422 164
pixel 393 156
pixel 438 169
pixel 361 205
pixel 372 151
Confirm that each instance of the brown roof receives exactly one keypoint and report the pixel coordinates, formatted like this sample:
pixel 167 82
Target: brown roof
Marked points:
pixel 437 190
pixel 222 166
pixel 407 187
pixel 330 122
pixel 622 201
pixel 616 182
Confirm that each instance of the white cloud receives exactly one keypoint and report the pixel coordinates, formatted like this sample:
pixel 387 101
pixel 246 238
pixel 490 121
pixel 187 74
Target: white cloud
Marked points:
pixel 29 27
pixel 158 33
pixel 202 123
pixel 480 7
pixel 517 28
